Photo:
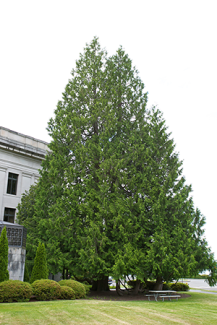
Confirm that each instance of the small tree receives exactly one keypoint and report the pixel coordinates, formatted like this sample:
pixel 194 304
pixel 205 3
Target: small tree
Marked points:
pixel 4 274
pixel 26 274
pixel 40 265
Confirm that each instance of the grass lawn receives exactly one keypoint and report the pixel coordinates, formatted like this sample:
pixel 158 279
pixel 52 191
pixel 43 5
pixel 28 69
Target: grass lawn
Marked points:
pixel 200 308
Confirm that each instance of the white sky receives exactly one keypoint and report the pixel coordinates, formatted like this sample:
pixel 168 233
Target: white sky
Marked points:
pixel 172 44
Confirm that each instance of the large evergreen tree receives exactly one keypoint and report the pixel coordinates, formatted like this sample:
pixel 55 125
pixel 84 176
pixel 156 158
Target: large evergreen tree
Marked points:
pixel 111 199
pixel 4 274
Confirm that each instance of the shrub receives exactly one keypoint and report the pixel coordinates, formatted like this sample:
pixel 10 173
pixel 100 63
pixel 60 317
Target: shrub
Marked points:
pixel 26 274
pixel 46 289
pixel 179 286
pixel 78 287
pixel 199 276
pixel 87 287
pixel 39 270
pixel 67 293
pixel 166 286
pixel 4 275
pixel 15 290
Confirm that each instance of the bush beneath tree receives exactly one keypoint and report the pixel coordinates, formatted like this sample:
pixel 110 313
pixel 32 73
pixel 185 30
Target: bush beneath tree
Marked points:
pixel 67 293
pixel 46 289
pixel 179 286
pixel 15 290
pixel 78 288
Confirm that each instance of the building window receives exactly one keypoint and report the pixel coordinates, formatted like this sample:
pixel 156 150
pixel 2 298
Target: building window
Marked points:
pixel 12 184
pixel 9 215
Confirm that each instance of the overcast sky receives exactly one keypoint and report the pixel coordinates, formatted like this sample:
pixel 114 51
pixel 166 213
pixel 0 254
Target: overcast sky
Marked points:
pixel 171 43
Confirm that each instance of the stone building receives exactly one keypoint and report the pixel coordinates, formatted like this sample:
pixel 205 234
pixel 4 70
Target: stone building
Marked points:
pixel 20 160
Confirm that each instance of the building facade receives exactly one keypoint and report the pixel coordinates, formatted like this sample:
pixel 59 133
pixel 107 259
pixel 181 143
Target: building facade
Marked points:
pixel 20 161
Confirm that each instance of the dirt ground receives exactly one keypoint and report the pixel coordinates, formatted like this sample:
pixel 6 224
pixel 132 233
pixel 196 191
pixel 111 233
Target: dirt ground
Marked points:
pixel 112 295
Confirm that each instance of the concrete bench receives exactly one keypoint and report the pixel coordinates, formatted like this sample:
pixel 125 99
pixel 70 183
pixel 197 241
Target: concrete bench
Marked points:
pixel 149 296
pixel 169 297
pixel 155 296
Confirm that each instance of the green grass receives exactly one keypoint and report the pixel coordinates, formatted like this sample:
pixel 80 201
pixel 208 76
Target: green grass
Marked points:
pixel 200 308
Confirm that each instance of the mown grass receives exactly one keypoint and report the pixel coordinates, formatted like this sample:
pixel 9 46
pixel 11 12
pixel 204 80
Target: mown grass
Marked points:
pixel 200 308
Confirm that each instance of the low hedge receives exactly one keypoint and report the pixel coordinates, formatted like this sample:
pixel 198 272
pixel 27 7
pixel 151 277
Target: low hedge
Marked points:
pixel 79 289
pixel 67 293
pixel 46 289
pixel 179 286
pixel 87 287
pixel 15 290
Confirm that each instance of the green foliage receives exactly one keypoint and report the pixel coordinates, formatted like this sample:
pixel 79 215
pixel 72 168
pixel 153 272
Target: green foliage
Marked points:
pixel 4 274
pixel 85 283
pixel 67 293
pixel 78 288
pixel 26 274
pixel 25 217
pixel 15 290
pixel 112 199
pixel 166 286
pixel 179 286
pixel 203 255
pixel 148 285
pixel 46 289
pixel 200 276
pixel 87 287
pixel 40 264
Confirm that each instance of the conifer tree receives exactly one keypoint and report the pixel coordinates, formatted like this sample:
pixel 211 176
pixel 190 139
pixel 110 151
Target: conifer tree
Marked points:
pixel 170 253
pixel 111 199
pixel 39 270
pixel 4 274
pixel 93 132
pixel 26 274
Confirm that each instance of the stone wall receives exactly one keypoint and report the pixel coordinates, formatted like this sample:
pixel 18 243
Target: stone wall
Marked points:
pixel 16 263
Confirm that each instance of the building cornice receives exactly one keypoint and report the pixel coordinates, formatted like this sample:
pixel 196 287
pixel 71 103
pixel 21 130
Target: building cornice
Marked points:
pixel 23 144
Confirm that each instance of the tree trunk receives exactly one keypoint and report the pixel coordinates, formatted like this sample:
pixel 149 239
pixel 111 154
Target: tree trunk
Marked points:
pixel 136 288
pixel 100 285
pixel 159 283
pixel 118 289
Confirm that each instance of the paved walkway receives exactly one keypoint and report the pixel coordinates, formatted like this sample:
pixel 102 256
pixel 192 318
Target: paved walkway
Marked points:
pixel 198 284
pixel 201 291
